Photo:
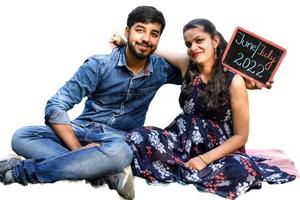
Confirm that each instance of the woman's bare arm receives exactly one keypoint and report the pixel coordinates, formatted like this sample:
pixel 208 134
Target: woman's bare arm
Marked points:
pixel 240 118
pixel 178 60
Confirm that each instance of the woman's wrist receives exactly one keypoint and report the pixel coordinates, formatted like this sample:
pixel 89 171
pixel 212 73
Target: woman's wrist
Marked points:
pixel 203 160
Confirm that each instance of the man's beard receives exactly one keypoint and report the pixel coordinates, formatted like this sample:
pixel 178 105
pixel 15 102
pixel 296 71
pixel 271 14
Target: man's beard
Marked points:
pixel 139 56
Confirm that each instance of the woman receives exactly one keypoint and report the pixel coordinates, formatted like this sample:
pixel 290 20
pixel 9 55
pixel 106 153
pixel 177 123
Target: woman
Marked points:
pixel 204 145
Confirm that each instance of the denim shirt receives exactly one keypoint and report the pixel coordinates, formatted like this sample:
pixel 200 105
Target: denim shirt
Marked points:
pixel 115 97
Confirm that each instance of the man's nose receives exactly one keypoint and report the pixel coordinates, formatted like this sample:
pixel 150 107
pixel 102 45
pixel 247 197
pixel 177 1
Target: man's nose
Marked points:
pixel 146 37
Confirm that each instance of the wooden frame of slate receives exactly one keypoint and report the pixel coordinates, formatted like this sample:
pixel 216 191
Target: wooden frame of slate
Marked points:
pixel 252 56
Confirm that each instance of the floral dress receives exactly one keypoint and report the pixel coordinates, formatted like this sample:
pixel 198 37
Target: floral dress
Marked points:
pixel 160 154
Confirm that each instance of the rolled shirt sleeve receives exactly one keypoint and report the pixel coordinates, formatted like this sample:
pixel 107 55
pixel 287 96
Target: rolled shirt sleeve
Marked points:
pixel 83 83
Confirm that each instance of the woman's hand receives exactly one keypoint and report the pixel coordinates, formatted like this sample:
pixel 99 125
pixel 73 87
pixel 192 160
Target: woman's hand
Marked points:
pixel 253 85
pixel 195 163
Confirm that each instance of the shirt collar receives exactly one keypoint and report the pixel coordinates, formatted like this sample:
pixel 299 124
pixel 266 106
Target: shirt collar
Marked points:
pixel 122 62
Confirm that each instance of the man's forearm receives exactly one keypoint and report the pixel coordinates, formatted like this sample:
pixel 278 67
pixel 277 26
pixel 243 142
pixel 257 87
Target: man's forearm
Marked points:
pixel 66 135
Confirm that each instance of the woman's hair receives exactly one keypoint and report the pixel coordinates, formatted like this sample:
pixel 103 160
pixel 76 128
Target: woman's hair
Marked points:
pixel 146 14
pixel 216 92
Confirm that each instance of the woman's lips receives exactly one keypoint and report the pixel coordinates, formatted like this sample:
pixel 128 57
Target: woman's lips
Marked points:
pixel 196 54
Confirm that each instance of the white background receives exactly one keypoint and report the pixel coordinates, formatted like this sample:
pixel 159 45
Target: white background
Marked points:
pixel 42 43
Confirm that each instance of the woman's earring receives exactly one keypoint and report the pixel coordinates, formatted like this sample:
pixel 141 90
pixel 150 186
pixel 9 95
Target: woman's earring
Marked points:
pixel 216 55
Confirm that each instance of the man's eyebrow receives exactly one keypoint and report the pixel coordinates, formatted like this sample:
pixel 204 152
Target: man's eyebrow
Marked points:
pixel 141 26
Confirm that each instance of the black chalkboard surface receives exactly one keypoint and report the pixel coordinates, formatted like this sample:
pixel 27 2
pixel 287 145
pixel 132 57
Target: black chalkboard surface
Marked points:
pixel 252 56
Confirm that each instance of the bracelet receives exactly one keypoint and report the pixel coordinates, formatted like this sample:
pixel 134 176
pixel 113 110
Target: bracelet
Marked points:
pixel 201 157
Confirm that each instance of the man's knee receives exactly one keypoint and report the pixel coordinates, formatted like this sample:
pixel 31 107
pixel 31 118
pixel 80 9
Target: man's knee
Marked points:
pixel 19 138
pixel 122 155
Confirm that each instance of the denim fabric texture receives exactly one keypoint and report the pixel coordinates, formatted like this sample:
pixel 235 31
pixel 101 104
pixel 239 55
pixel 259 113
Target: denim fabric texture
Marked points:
pixel 115 97
pixel 116 102
pixel 49 161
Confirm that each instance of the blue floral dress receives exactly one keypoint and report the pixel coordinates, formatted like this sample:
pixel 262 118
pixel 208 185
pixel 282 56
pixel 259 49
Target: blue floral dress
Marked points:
pixel 160 154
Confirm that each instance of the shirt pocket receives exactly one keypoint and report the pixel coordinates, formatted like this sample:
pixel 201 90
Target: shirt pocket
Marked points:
pixel 145 92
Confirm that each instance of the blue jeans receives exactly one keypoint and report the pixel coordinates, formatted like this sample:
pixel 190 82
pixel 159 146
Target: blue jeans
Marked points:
pixel 49 161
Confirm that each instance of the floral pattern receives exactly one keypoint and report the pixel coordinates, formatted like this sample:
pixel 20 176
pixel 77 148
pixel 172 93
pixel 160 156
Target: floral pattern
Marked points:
pixel 160 154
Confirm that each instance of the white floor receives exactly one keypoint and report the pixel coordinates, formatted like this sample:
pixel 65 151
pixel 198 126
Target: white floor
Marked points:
pixel 81 190
pixel 42 43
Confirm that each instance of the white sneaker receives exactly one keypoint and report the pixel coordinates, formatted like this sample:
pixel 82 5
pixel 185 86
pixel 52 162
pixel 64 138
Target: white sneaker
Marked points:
pixel 123 183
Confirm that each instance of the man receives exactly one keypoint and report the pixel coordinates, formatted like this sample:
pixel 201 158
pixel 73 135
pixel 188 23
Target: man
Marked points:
pixel 119 88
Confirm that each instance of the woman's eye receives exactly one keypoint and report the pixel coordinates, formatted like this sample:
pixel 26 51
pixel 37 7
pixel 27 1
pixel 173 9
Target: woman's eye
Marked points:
pixel 188 45
pixel 198 41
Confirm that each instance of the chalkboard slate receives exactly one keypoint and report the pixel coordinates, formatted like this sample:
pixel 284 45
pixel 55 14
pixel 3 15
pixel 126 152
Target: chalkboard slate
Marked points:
pixel 252 56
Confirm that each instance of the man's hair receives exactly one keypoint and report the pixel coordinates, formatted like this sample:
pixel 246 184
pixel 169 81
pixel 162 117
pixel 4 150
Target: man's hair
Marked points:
pixel 146 14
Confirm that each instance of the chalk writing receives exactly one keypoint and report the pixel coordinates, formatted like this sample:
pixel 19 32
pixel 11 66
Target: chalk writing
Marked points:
pixel 252 56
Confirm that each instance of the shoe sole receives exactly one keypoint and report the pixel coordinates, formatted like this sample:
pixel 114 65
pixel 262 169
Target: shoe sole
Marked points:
pixel 11 156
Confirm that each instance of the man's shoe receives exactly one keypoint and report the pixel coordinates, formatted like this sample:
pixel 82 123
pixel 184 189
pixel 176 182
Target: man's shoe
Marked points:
pixel 6 164
pixel 123 183
pixel 96 183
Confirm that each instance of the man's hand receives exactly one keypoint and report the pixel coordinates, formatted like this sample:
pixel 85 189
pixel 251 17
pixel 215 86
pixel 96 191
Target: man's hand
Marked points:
pixel 117 40
pixel 93 144
pixel 90 145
